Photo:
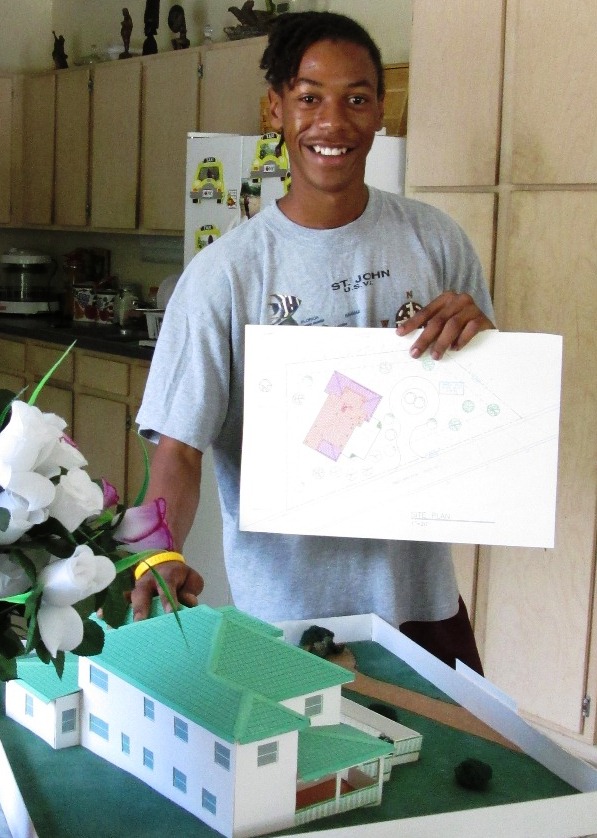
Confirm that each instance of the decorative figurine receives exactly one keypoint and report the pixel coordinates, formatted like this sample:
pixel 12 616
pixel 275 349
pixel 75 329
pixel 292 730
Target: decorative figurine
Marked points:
pixel 151 20
pixel 252 22
pixel 58 53
pixel 126 28
pixel 177 23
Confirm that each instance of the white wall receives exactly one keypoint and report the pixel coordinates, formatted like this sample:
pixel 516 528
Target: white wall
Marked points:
pixel 26 40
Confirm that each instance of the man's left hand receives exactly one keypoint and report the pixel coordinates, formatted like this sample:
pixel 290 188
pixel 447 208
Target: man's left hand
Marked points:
pixel 448 322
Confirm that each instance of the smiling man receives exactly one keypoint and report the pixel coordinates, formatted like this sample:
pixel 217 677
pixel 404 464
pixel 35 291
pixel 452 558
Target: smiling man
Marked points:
pixel 332 252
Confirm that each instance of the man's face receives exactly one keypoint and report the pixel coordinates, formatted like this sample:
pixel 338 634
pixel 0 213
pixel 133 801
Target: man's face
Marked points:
pixel 329 117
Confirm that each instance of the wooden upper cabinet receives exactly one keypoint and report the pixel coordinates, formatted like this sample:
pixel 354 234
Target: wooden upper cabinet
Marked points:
pixel 5 148
pixel 38 148
pixel 396 100
pixel 72 148
pixel 552 95
pixel 232 87
pixel 115 144
pixel 170 108
pixel 455 93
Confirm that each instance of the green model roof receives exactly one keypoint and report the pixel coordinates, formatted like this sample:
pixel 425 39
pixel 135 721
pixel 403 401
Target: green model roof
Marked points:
pixel 330 748
pixel 226 671
pixel 42 680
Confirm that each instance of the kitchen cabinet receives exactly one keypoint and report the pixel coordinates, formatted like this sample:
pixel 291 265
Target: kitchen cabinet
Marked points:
pixel 115 144
pixel 534 226
pixel 454 92
pixel 170 110
pixel 552 98
pixel 38 148
pixel 6 128
pixel 232 86
pixel 71 176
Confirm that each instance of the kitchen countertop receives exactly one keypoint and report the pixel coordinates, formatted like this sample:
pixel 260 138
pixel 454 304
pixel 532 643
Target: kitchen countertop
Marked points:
pixel 55 329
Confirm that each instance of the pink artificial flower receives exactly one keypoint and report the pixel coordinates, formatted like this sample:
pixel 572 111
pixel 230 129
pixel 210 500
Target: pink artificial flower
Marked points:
pixel 110 494
pixel 145 528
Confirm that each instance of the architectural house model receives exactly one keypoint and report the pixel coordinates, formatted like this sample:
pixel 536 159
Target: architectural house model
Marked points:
pixel 245 731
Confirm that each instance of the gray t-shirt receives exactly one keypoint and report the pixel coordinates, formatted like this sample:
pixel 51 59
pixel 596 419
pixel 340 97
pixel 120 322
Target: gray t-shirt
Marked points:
pixel 397 256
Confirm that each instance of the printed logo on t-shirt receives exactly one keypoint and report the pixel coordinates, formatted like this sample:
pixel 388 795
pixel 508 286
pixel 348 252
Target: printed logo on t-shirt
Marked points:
pixel 407 309
pixel 364 280
pixel 282 309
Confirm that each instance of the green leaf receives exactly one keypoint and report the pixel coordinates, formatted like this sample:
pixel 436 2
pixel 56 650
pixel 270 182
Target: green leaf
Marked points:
pixel 42 652
pixel 8 668
pixel 6 400
pixel 58 662
pixel 174 605
pixel 4 519
pixel 133 559
pixel 93 639
pixel 10 644
pixel 114 603
pixel 50 372
pixel 143 490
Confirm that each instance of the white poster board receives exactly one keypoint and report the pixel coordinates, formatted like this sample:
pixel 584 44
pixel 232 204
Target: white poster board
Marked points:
pixel 346 435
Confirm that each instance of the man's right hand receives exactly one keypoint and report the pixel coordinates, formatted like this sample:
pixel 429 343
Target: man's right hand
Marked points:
pixel 184 584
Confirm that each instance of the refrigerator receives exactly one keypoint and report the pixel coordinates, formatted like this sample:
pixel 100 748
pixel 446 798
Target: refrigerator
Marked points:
pixel 229 178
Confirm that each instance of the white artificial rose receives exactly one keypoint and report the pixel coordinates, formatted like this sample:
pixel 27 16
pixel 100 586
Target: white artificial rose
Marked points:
pixel 67 581
pixel 26 496
pixel 77 498
pixel 29 437
pixel 60 627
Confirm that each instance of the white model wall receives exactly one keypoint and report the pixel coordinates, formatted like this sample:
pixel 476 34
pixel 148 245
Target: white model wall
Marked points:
pixel 46 720
pixel 265 796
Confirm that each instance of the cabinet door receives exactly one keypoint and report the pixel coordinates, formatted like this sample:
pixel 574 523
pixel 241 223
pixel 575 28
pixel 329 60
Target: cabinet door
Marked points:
pixel 72 148
pixel 55 400
pixel 232 87
pixel 475 212
pixel 554 78
pixel 455 92
pixel 38 148
pixel 5 147
pixel 100 431
pixel 539 602
pixel 115 144
pixel 170 109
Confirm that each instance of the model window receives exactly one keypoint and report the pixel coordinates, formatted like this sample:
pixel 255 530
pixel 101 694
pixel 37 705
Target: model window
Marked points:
pixel 267 753
pixel 148 709
pixel 181 729
pixel 179 780
pixel 313 705
pixel 222 755
pixel 125 743
pixel 69 720
pixel 99 726
pixel 208 801
pixel 28 705
pixel 98 677
pixel 148 758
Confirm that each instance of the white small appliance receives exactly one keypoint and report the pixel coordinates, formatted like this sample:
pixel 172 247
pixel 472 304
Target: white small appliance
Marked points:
pixel 26 283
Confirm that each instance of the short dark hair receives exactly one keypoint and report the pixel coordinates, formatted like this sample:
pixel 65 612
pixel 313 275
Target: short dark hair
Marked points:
pixel 292 33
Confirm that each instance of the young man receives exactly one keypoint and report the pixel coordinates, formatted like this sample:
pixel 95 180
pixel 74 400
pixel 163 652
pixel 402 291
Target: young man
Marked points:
pixel 326 97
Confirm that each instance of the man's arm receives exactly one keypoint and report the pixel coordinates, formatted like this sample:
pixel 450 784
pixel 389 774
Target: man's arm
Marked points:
pixel 176 477
pixel 448 322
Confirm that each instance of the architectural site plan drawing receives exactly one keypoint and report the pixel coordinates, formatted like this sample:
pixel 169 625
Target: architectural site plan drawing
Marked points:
pixel 346 435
